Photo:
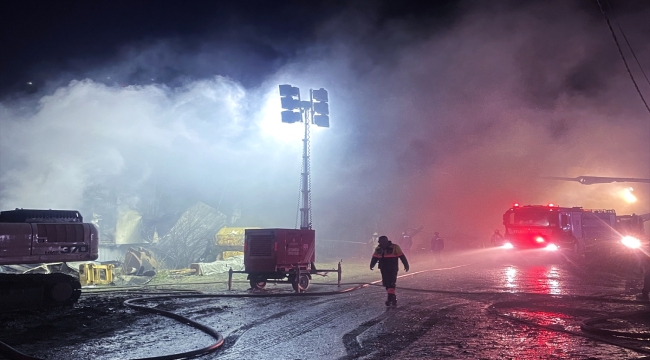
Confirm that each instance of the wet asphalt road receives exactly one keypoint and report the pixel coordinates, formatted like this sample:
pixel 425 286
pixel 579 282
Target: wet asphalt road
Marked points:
pixel 485 304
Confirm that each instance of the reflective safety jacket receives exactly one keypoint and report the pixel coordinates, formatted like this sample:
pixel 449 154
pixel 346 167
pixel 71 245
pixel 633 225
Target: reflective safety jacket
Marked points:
pixel 387 257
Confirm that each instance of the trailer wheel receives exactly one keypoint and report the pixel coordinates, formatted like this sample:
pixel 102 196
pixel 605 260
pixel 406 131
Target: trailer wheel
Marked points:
pixel 301 285
pixel 257 282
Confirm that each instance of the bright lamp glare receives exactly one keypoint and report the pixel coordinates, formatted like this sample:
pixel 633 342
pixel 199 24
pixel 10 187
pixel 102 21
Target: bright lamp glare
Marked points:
pixel 631 242
pixel 271 126
pixel 507 246
pixel 628 195
pixel 539 239
pixel 551 247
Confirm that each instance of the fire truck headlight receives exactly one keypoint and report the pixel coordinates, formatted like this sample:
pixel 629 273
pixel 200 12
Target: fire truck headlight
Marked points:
pixel 539 239
pixel 631 242
pixel 551 247
pixel 508 246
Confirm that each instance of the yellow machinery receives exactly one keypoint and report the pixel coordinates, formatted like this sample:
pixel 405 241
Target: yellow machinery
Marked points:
pixel 139 262
pixel 94 274
pixel 230 241
pixel 228 254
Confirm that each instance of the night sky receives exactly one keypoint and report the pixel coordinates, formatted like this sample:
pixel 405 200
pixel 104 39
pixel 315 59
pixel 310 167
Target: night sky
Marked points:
pixel 45 38
pixel 443 113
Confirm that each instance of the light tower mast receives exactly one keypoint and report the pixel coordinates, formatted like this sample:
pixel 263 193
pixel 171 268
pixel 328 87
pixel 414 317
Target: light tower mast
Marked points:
pixel 315 111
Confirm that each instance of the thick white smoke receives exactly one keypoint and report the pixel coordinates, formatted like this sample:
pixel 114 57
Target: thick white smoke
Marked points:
pixel 210 136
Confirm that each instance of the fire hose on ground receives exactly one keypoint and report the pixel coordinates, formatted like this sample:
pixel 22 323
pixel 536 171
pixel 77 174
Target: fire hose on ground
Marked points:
pixel 590 331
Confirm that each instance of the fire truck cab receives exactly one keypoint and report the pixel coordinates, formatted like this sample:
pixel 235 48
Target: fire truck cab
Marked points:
pixel 553 227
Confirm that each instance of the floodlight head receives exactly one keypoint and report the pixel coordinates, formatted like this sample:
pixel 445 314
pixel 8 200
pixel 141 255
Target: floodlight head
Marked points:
pixel 290 103
pixel 322 108
pixel 288 90
pixel 320 95
pixel 291 117
pixel 322 120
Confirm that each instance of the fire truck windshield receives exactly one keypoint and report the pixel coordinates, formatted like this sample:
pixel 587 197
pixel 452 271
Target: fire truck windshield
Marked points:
pixel 534 218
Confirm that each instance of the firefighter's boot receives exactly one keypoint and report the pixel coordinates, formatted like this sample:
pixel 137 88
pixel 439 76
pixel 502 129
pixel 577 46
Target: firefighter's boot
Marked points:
pixel 392 300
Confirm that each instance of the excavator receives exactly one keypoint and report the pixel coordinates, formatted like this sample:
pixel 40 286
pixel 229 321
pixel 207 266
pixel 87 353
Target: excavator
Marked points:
pixel 30 236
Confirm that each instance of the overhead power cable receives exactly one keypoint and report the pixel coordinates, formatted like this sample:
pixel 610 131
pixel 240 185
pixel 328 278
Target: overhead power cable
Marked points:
pixel 629 46
pixel 633 53
pixel 620 51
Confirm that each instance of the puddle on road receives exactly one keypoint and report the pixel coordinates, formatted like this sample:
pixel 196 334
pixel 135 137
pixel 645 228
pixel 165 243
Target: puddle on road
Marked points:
pixel 537 279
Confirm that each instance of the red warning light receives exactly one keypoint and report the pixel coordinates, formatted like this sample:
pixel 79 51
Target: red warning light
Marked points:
pixel 516 205
pixel 551 205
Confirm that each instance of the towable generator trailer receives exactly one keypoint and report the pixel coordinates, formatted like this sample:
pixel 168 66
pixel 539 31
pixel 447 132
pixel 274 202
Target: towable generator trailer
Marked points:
pixel 280 256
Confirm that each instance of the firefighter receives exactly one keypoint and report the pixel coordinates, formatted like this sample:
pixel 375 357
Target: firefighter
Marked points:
pixel 437 245
pixel 387 254
pixel 497 238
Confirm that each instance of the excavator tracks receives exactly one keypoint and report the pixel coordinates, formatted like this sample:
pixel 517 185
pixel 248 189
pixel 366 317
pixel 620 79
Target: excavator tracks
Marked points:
pixel 30 291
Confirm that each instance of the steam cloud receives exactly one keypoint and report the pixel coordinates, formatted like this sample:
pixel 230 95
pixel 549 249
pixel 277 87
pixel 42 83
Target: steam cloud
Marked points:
pixel 442 127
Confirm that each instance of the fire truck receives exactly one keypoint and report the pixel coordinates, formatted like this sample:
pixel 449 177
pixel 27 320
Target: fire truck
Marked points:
pixel 37 237
pixel 552 227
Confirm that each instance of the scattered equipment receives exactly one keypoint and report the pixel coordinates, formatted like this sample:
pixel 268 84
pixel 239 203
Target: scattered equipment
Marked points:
pixel 139 262
pixel 230 242
pixel 94 274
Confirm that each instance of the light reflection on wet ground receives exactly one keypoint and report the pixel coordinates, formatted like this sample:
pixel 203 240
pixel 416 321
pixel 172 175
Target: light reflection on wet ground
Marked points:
pixel 537 279
pixel 527 320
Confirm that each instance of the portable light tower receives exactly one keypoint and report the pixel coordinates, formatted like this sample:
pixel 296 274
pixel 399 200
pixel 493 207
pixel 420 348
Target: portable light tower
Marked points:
pixel 315 111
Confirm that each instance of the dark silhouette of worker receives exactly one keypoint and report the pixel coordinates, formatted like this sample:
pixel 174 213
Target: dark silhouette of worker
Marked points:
pixel 644 262
pixel 387 254
pixel 646 284
pixel 406 242
pixel 437 245
pixel 496 239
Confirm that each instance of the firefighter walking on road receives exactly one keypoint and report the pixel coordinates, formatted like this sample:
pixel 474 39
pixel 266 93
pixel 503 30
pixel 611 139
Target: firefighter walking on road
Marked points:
pixel 387 254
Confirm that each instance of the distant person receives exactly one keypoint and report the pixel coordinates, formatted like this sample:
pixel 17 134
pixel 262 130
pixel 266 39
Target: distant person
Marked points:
pixel 386 254
pixel 644 261
pixel 437 245
pixel 372 243
pixel 646 282
pixel 407 241
pixel 496 239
